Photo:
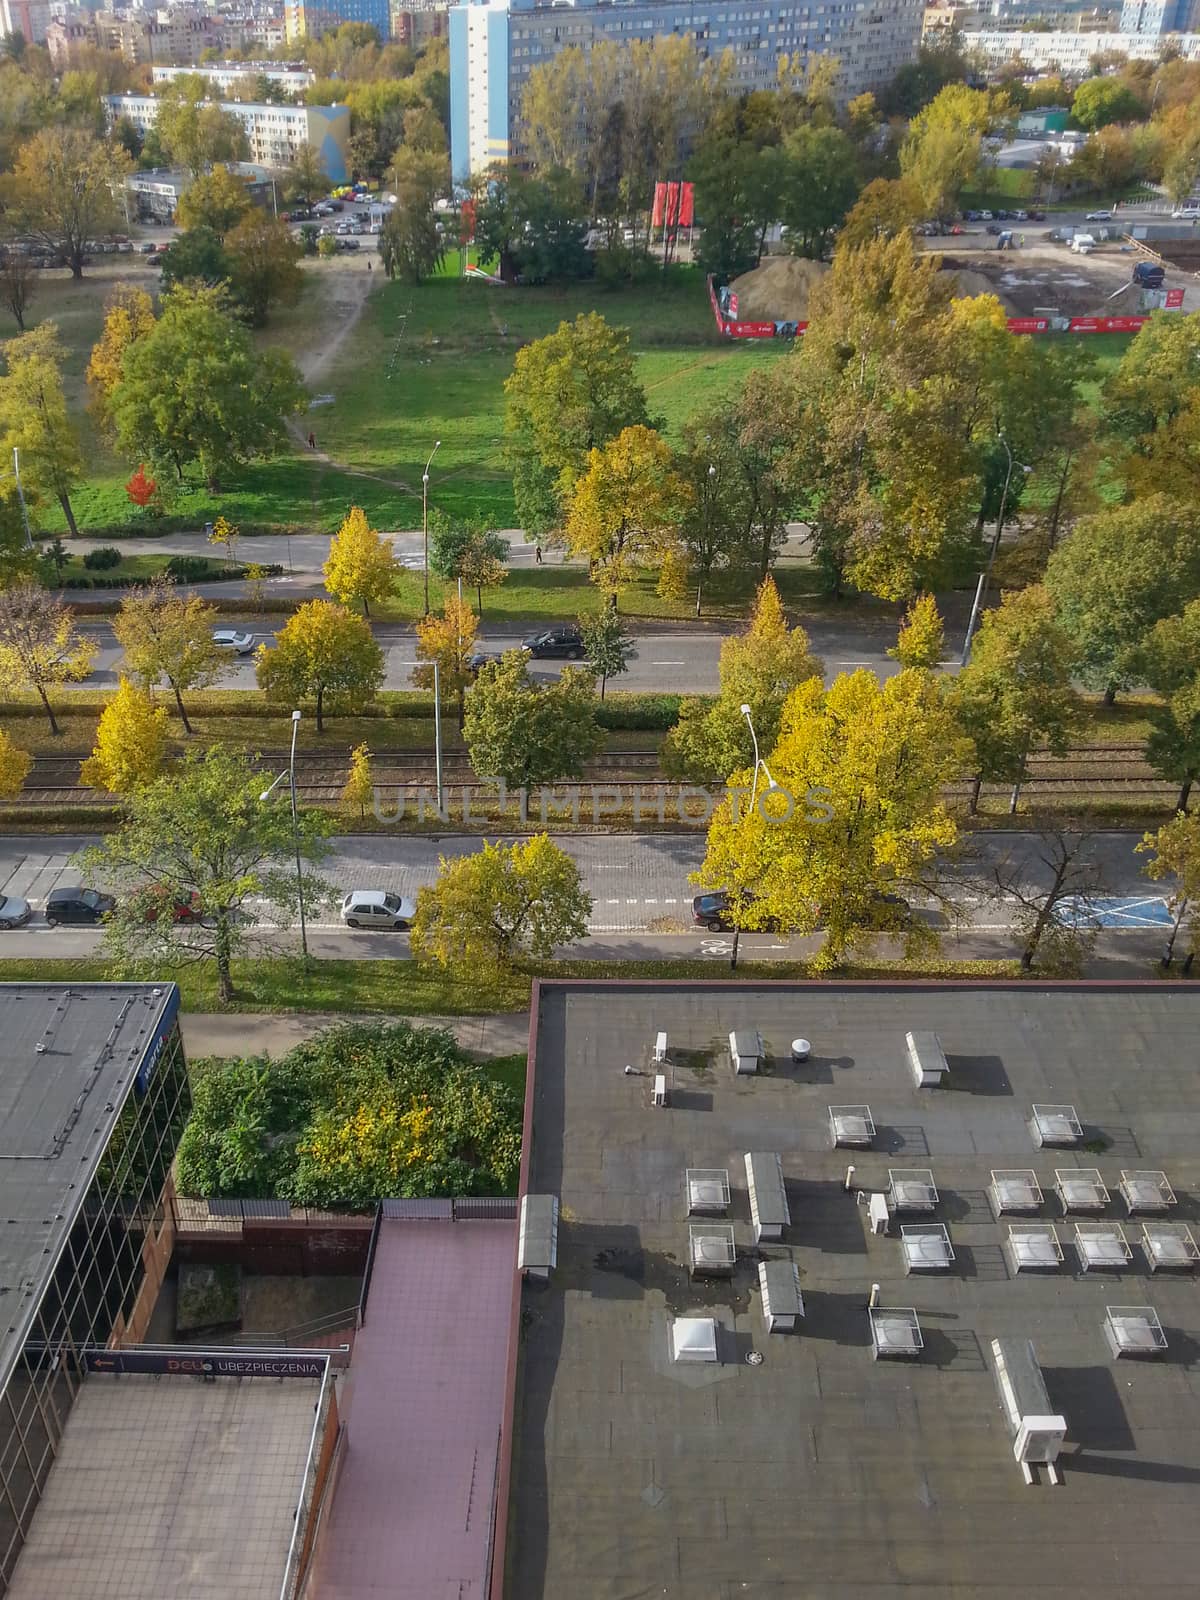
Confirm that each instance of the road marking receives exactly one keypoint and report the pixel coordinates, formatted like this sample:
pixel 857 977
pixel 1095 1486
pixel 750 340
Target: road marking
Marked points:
pixel 649 902
pixel 668 663
pixel 612 902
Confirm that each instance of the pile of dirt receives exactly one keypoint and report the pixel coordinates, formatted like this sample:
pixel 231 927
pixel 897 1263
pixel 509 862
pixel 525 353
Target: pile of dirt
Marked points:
pixel 973 283
pixel 778 290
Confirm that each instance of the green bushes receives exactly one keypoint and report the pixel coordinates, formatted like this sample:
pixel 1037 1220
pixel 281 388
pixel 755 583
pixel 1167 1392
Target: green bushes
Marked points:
pixel 360 1113
pixel 203 569
pixel 651 713
pixel 103 557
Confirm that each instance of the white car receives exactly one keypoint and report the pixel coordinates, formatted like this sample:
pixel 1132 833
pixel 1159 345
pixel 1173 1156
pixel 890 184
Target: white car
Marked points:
pixel 230 639
pixel 1098 216
pixel 378 908
pixel 1187 214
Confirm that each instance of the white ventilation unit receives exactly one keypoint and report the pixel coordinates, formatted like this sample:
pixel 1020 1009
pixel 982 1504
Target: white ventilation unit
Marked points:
pixel 1134 1331
pixel 1146 1191
pixel 879 1213
pixel 1033 1247
pixel 694 1339
pixel 895 1334
pixel 1055 1125
pixel 1037 1433
pixel 768 1198
pixel 1102 1247
pixel 1080 1189
pixel 912 1189
pixel 707 1189
pixel 851 1127
pixel 926 1059
pixel 926 1247
pixel 745 1050
pixel 1014 1189
pixel 537 1238
pixel 782 1301
pixel 1169 1245
pixel 711 1249
pixel 660 1048
pixel 660 1096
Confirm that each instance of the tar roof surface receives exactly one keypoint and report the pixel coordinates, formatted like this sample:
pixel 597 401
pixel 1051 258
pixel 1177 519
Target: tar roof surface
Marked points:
pixel 57 1111
pixel 821 1472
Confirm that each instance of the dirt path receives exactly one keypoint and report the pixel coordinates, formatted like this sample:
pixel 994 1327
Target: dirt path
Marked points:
pixel 349 298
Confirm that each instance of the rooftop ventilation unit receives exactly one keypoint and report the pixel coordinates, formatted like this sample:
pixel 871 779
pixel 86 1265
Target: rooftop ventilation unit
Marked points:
pixel 1146 1191
pixel 768 1198
pixel 745 1050
pixel 781 1298
pixel 852 1127
pixel 1170 1245
pixel 1134 1331
pixel 712 1251
pixel 1080 1189
pixel 537 1238
pixel 926 1059
pixel 1055 1125
pixel 660 1048
pixel 1037 1433
pixel 694 1339
pixel 926 1247
pixel 1033 1247
pixel 661 1095
pixel 1103 1246
pixel 895 1334
pixel 707 1189
pixel 1014 1189
pixel 912 1189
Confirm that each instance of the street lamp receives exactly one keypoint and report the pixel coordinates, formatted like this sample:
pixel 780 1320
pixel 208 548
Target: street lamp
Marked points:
pixel 16 472
pixel 758 762
pixel 708 493
pixel 425 518
pixel 981 586
pixel 290 775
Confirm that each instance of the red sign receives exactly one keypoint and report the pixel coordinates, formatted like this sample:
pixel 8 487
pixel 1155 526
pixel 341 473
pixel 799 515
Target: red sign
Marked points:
pixel 1107 324
pixel 733 305
pixel 466 224
pixel 674 205
pixel 1027 324
pixel 750 330
pixel 1174 299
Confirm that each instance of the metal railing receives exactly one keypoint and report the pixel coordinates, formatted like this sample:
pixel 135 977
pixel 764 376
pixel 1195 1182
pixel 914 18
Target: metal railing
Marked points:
pixel 297 1337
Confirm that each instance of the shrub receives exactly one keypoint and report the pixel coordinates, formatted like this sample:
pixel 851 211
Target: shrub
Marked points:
pixel 651 712
pixel 103 557
pixel 189 569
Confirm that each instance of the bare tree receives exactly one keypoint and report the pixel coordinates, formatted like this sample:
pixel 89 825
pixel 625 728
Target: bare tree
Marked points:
pixel 1056 884
pixel 18 279
pixel 40 646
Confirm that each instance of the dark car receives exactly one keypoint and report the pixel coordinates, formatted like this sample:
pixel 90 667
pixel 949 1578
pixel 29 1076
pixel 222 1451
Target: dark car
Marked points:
pixel 711 911
pixel 1037 216
pixel 480 658
pixel 86 906
pixel 994 228
pixel 564 640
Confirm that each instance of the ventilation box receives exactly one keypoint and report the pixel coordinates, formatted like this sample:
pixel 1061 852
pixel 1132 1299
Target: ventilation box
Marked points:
pixel 768 1198
pixel 926 1059
pixel 1037 1433
pixel 537 1239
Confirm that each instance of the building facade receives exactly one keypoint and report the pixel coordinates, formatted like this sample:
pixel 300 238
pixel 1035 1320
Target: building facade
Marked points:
pixel 495 44
pixel 415 24
pixel 275 133
pixel 178 35
pixel 94 1096
pixel 1156 17
pixel 293 76
pixel 309 19
pixel 29 18
pixel 1070 53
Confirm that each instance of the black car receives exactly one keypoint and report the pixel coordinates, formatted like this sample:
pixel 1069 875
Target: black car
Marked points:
pixel 711 911
pixel 1037 216
pixel 564 640
pixel 480 658
pixel 86 906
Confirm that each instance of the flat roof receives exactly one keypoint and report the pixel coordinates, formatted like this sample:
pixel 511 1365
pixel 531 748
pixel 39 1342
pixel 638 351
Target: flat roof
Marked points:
pixel 818 1466
pixel 171 1486
pixel 412 1515
pixel 69 1055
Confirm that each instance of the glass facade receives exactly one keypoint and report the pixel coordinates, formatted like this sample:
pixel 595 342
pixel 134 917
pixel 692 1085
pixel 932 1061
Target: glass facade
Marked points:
pixel 101 1290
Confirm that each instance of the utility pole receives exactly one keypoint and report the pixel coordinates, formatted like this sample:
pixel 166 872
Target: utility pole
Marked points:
pixel 985 575
pixel 437 734
pixel 425 518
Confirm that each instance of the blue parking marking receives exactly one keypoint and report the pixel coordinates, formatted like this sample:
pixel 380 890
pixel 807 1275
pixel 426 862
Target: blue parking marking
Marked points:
pixel 1119 911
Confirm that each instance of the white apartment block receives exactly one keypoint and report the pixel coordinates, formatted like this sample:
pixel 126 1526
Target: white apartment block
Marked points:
pixel 275 133
pixel 1070 53
pixel 222 75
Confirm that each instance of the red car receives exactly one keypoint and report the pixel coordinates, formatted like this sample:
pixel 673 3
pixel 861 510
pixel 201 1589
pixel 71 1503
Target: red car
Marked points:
pixel 158 900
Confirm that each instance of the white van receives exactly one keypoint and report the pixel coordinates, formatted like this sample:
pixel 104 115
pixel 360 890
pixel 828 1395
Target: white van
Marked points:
pixel 1083 244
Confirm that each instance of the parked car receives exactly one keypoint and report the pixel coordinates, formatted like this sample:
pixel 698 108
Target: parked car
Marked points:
pixel 711 911
pixel 148 248
pixel 563 640
pixel 480 658
pixel 1036 216
pixel 378 908
pixel 1020 216
pixel 970 216
pixel 1186 214
pixel 78 905
pixel 984 216
pixel 1098 216
pixel 347 244
pixel 159 900
pixel 14 912
pixel 230 639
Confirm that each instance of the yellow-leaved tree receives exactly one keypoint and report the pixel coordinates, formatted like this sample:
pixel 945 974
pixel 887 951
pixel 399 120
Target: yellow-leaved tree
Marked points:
pixel 15 766
pixel 129 314
pixel 450 641
pixel 922 637
pixel 40 646
pixel 853 819
pixel 360 785
pixel 131 742
pixel 625 508
pixel 361 565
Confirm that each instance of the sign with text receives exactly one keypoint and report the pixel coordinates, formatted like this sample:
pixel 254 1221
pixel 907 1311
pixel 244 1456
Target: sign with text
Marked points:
pixel 205 1363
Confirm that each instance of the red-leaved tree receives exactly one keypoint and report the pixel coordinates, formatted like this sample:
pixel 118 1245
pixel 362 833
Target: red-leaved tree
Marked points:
pixel 141 489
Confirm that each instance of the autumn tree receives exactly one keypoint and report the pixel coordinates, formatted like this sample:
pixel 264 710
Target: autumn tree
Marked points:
pixel 448 640
pixel 166 637
pixel 359 791
pixel 528 733
pixel 305 178
pixel 15 766
pixel 264 260
pixel 498 903
pixel 361 565
pixel 468 550
pixel 131 742
pixel 218 200
pixel 624 508
pixel 40 646
pixel 855 817
pixel 61 191
pixel 204 833
pixel 943 150
pixel 325 654
pixel 886 208
pixel 225 535
pixel 922 638
pixel 1174 852
pixel 759 669
pixel 34 418
pixel 606 644
pixel 128 316
pixel 140 488
pixel 193 131
pixel 410 246
pixel 1017 690
pixel 1170 663
pixel 1150 407
pixel 18 281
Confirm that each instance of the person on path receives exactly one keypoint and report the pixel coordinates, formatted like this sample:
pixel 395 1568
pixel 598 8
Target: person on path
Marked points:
pixel 537 554
pixel 312 441
pixel 368 264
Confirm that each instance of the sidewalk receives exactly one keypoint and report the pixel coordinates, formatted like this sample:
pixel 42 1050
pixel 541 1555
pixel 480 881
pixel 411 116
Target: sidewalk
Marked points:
pixel 250 1033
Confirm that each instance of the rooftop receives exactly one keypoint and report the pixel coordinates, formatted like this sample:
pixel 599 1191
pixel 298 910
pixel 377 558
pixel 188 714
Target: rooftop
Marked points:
pixel 171 1486
pixel 634 1474
pixel 68 1058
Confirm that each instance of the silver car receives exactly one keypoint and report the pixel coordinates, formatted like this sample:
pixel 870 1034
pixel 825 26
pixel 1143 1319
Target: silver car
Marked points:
pixel 378 908
pixel 230 639
pixel 14 912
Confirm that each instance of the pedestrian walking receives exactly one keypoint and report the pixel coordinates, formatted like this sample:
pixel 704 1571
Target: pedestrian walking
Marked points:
pixel 537 554
pixel 368 263
pixel 312 441
pixel 1022 241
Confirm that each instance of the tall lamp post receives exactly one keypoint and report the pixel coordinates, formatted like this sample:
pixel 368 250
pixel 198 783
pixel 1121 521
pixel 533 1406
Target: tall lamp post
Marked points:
pixel 758 762
pixel 985 575
pixel 290 775
pixel 425 518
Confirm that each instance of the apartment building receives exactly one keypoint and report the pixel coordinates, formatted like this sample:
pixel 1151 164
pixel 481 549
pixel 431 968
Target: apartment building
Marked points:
pixel 275 133
pixel 309 19
pixel 293 76
pixel 29 18
pixel 1156 17
pixel 1070 53
pixel 178 34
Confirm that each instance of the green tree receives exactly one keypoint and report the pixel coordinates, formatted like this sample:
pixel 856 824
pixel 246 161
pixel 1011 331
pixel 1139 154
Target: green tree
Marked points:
pixel 717 519
pixel 18 282
pixel 1149 406
pixel 1170 663
pixel 131 742
pixel 325 654
pixel 820 184
pixel 264 265
pixel 448 641
pixel 625 507
pixel 1099 101
pixel 607 646
pixel 1116 575
pixel 500 902
pixel 193 131
pixel 40 646
pixel 943 150
pixel 203 834
pixel 528 733
pixel 305 179
pixel 410 246
pixel 864 766
pixel 1016 692
pixel 194 390
pixel 61 191
pixel 194 258
pixel 740 186
pixel 922 638
pixel 470 551
pixel 166 637
pixel 534 226
pixel 34 418
pixel 361 565
pixel 1175 854
pixel 217 201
